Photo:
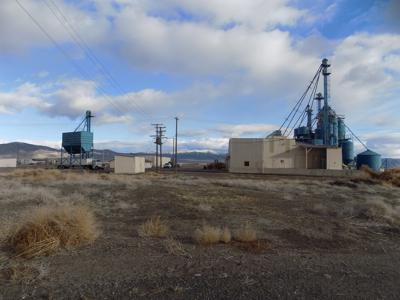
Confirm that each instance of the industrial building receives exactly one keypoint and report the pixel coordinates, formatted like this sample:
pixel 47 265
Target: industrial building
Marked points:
pixel 321 143
pixel 79 145
pixel 261 155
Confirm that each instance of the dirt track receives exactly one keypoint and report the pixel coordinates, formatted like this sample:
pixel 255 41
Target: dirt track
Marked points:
pixel 318 238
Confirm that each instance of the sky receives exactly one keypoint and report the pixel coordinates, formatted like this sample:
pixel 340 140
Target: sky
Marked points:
pixel 225 68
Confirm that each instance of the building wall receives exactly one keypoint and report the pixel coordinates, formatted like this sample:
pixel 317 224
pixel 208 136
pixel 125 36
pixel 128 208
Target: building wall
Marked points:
pixel 246 155
pixel 279 153
pixel 152 160
pixel 334 159
pixel 258 155
pixel 261 155
pixel 316 158
pixel 129 165
pixel 8 163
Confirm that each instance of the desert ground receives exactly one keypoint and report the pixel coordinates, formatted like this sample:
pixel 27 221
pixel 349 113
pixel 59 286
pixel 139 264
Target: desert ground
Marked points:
pixel 199 236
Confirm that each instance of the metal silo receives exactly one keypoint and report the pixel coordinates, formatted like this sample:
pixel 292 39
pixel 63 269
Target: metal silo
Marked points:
pixel 369 158
pixel 347 151
pixel 341 129
pixel 334 136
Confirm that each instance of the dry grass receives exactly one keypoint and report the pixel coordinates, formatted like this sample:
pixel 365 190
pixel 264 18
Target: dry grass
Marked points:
pixel 246 233
pixel 38 174
pixel 226 235
pixel 375 208
pixel 153 227
pixel 391 176
pixel 207 235
pixel 17 272
pixel 174 247
pixel 47 229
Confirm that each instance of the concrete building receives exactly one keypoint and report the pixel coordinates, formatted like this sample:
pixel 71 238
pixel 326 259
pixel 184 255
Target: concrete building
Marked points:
pixel 128 164
pixel 257 155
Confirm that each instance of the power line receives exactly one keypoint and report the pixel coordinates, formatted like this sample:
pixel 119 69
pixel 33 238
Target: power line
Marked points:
pixel 69 58
pixel 90 54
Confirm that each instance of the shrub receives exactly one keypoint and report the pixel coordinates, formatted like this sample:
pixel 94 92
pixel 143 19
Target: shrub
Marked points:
pixel 174 247
pixel 245 234
pixel 47 229
pixel 207 235
pixel 226 235
pixel 153 227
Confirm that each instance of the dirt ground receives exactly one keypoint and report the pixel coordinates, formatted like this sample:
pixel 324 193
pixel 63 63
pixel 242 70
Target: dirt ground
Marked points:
pixel 318 238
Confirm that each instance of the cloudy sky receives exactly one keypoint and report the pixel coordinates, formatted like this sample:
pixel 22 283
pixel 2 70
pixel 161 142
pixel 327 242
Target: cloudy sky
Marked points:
pixel 226 68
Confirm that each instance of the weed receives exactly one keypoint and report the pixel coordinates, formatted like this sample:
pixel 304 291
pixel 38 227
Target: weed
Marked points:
pixel 153 227
pixel 174 247
pixel 226 235
pixel 246 233
pixel 47 229
pixel 207 235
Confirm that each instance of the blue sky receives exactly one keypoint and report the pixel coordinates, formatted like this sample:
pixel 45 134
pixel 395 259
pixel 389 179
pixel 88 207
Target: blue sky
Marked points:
pixel 226 68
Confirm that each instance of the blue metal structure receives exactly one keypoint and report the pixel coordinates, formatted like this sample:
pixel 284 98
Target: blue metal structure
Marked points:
pixel 80 141
pixel 347 151
pixel 326 129
pixel 369 158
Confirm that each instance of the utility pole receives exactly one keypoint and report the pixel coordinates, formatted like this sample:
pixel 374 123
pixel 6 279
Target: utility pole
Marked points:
pixel 176 144
pixel 161 136
pixel 156 140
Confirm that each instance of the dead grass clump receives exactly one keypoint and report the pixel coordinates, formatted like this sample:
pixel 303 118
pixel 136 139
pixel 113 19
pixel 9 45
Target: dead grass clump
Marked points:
pixel 226 235
pixel 245 234
pixel 391 176
pixel 174 247
pixel 47 229
pixel 207 235
pixel 153 227
pixel 378 211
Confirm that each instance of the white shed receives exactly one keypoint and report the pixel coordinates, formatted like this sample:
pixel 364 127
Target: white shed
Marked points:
pixel 8 163
pixel 129 164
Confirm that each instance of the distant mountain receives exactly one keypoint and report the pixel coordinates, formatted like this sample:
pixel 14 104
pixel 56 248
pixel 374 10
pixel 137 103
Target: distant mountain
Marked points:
pixel 25 150
pixel 29 151
pixel 389 163
pixel 201 156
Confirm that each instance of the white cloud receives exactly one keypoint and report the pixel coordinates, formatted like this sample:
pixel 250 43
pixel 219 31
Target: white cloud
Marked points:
pixel 25 96
pixel 225 49
pixel 18 33
pixel 241 130
pixel 365 78
pixel 257 14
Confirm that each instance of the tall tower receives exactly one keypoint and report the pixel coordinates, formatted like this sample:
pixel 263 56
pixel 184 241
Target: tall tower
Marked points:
pixel 325 72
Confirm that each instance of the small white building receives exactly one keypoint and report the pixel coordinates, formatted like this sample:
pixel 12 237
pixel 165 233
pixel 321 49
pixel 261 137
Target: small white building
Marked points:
pixel 258 155
pixel 8 162
pixel 128 164
pixel 151 161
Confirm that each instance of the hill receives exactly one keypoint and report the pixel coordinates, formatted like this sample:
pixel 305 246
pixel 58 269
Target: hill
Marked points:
pixel 29 151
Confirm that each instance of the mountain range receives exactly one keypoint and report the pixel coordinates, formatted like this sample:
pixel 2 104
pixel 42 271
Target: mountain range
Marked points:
pixel 29 151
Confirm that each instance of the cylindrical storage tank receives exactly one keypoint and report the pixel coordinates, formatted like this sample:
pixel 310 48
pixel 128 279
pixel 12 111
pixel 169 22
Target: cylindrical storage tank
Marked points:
pixel 347 151
pixel 318 134
pixel 369 158
pixel 334 131
pixel 317 141
pixel 341 129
